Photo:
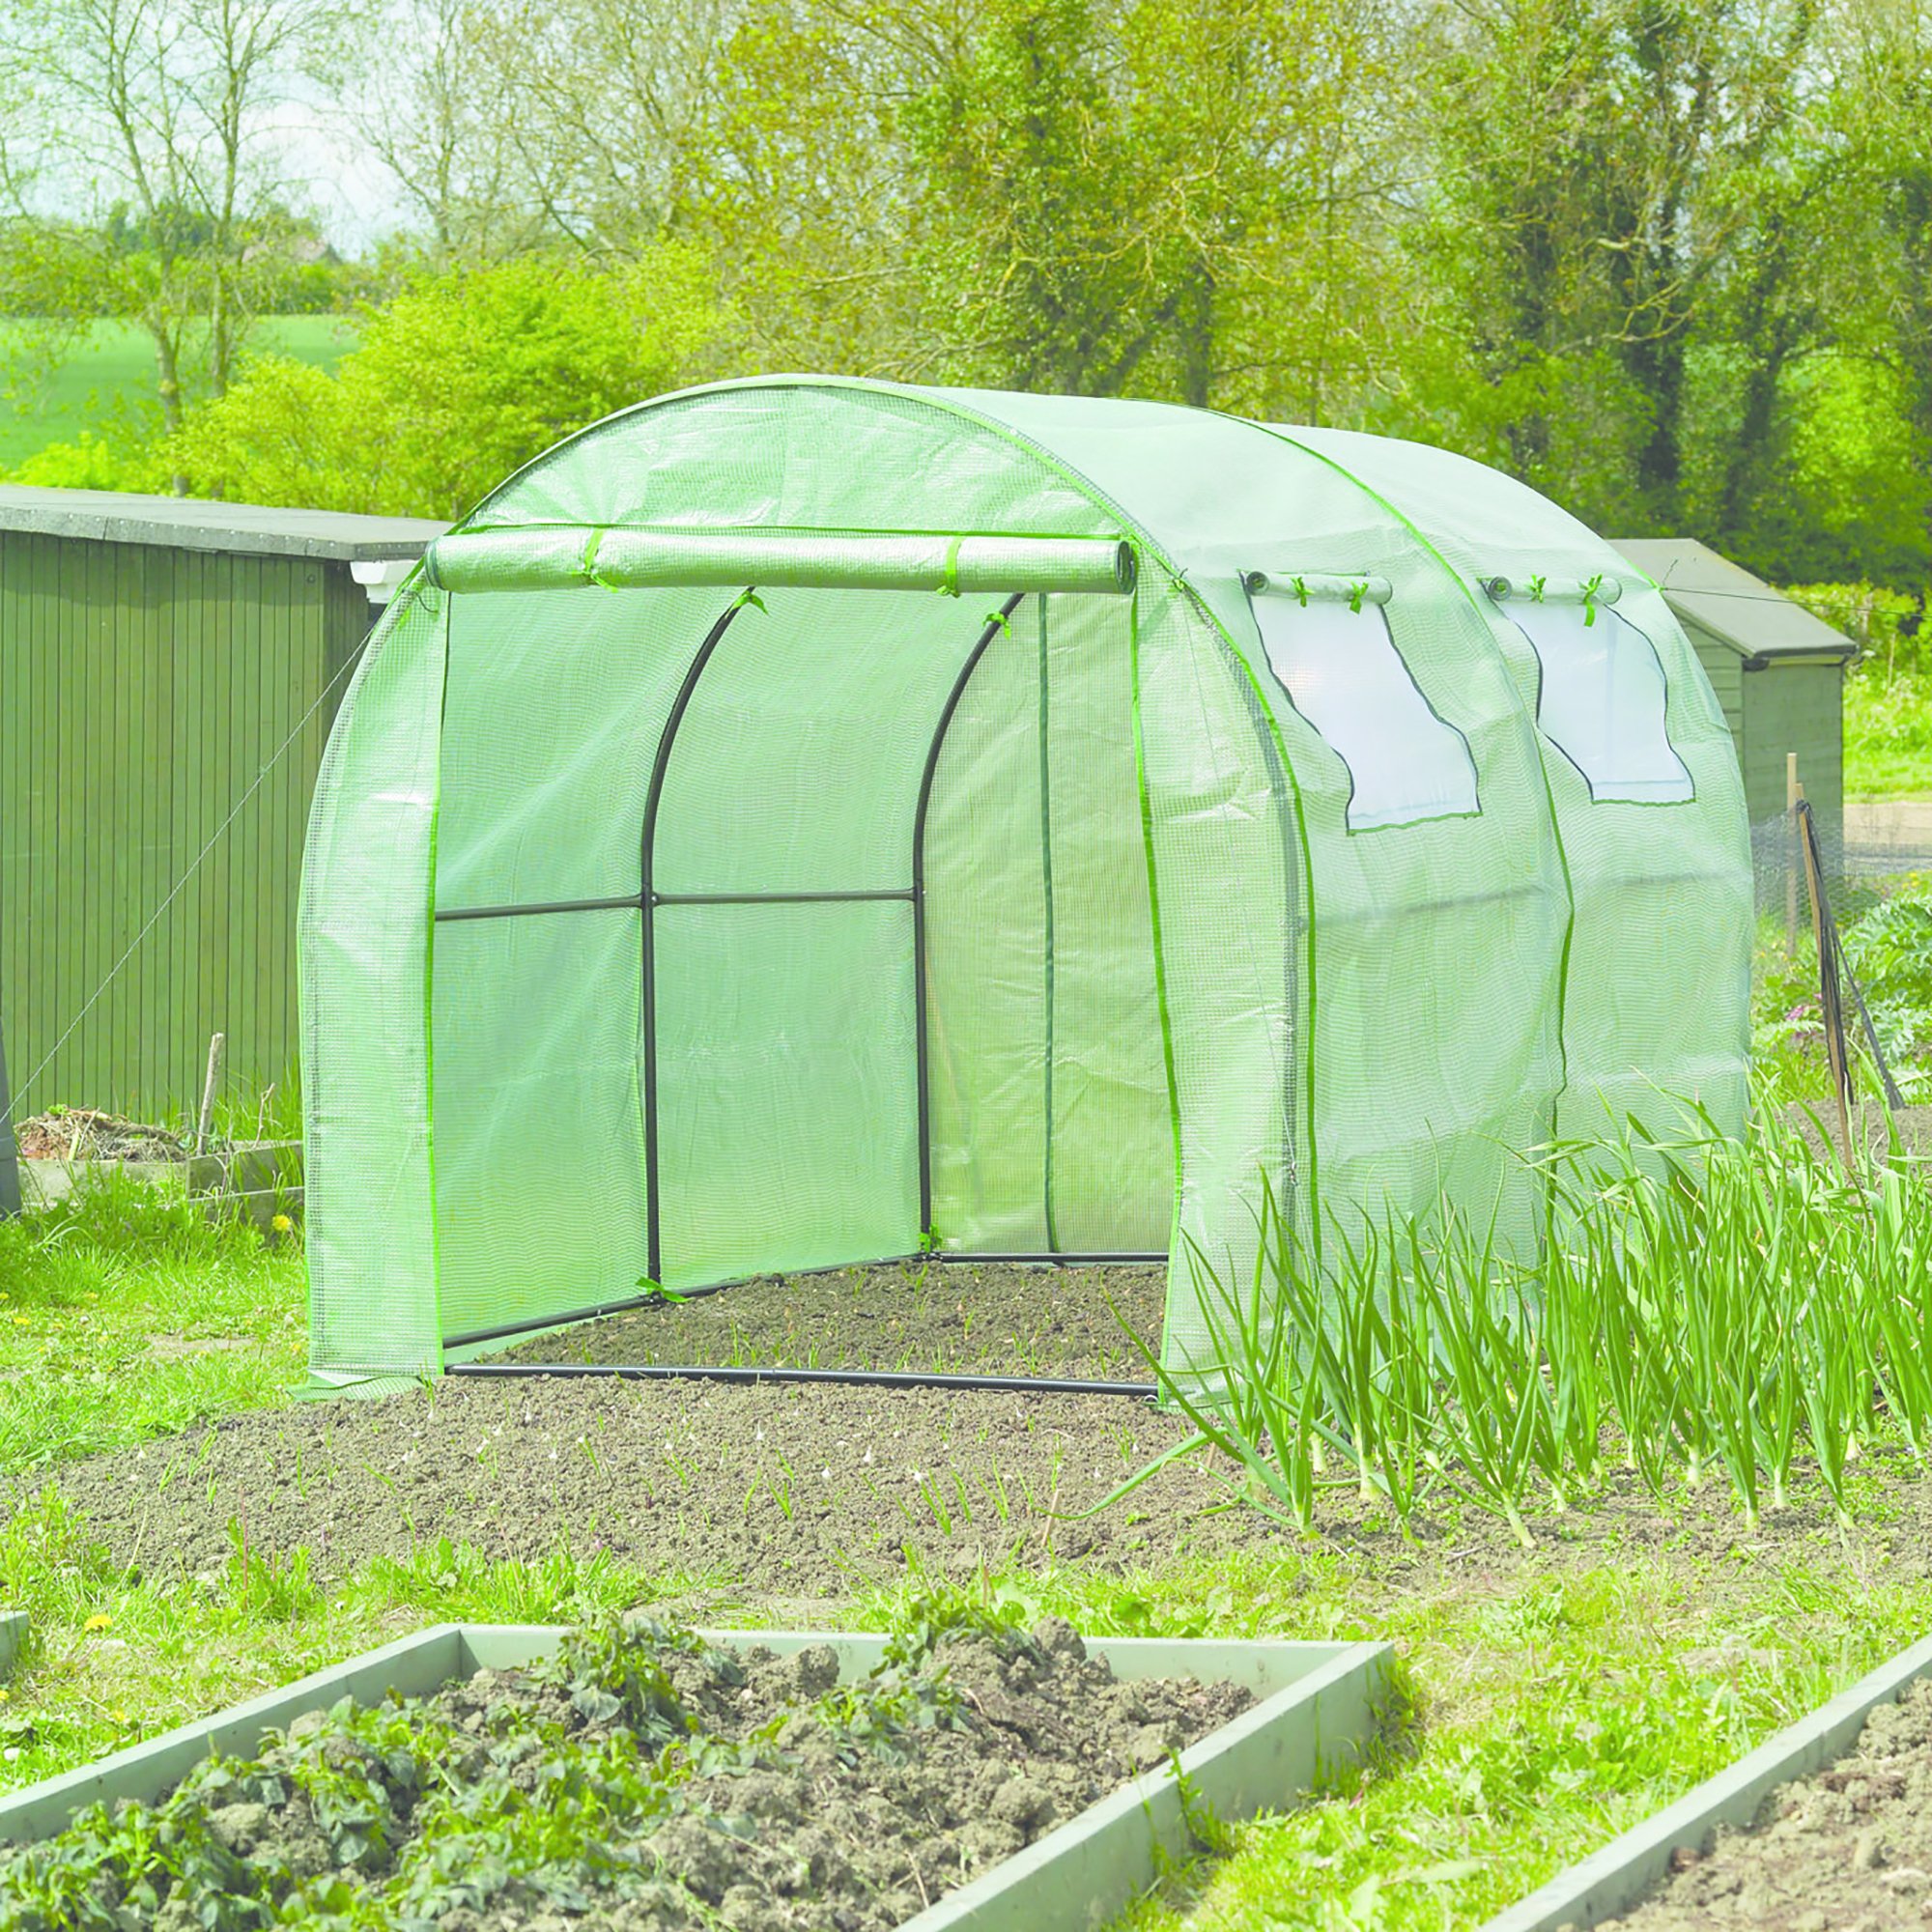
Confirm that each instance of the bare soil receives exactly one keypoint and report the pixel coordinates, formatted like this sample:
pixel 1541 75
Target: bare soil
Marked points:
pixel 973 1317
pixel 1818 1122
pixel 684 1786
pixel 1848 1850
pixel 787 1490
pixel 735 1498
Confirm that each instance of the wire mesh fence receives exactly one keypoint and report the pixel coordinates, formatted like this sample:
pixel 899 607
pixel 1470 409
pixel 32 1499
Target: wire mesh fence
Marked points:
pixel 1876 871
pixel 1873 852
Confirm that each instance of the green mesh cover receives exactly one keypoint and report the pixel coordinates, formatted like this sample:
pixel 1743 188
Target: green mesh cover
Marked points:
pixel 1656 995
pixel 877 860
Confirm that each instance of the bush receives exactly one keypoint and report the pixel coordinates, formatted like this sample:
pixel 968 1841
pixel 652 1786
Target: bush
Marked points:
pixel 92 463
pixel 1890 949
pixel 463 378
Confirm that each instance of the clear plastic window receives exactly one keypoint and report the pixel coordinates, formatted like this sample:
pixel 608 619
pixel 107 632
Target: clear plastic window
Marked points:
pixel 1343 672
pixel 1602 701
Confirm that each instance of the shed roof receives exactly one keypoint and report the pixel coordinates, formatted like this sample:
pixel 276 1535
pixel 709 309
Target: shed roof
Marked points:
pixel 185 522
pixel 1730 604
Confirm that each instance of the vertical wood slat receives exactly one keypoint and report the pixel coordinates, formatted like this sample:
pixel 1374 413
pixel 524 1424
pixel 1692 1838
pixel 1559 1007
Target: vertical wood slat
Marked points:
pixel 213 758
pixel 233 636
pixel 67 772
pixel 204 753
pixel 291 674
pixel 179 618
pixel 158 770
pixel 79 773
pixel 112 579
pixel 287 674
pixel 85 705
pixel 144 756
pixel 16 802
pixel 64 667
pixel 184 766
pixel 252 623
pixel 35 995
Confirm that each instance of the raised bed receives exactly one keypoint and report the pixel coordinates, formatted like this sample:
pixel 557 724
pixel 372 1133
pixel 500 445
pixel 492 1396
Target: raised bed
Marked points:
pixel 1674 1845
pixel 1311 1708
pixel 258 1179
pixel 13 1635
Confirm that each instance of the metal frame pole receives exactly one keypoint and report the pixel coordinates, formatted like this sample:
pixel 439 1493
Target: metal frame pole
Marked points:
pixel 649 992
pixel 922 1047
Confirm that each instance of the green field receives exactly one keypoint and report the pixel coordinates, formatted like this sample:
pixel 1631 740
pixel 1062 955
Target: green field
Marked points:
pixel 112 369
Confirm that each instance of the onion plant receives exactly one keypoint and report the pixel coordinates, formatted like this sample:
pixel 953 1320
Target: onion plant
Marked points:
pixel 1689 1307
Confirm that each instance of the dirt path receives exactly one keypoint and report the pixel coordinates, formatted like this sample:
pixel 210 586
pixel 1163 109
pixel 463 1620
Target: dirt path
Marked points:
pixel 1848 1849
pixel 955 1316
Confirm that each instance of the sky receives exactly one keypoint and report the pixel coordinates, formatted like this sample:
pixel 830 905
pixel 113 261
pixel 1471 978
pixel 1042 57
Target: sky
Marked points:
pixel 331 168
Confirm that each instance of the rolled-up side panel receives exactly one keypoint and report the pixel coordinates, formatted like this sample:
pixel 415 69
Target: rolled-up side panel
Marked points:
pixel 364 934
pixel 630 560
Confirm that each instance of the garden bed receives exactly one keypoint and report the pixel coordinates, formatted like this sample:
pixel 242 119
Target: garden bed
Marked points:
pixel 484 1779
pixel 948 1316
pixel 1827 1824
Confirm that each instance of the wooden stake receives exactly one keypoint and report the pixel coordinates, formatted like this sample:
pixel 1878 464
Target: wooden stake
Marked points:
pixel 1830 1008
pixel 217 1047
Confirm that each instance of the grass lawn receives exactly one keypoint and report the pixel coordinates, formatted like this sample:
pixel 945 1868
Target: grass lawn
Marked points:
pixel 1888 734
pixel 132 1318
pixel 113 365
pixel 1559 1693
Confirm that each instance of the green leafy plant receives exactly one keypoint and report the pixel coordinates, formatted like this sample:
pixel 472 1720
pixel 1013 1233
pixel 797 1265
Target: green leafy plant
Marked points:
pixel 1890 949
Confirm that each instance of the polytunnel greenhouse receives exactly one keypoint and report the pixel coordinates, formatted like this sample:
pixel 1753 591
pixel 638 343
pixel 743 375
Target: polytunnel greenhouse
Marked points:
pixel 801 823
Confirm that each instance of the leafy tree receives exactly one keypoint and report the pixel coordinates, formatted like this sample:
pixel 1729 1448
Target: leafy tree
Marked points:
pixel 1883 54
pixel 1599 169
pixel 1668 260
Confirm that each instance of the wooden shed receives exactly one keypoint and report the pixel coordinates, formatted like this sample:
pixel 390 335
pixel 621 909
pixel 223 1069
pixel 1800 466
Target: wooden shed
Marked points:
pixel 1778 672
pixel 169 671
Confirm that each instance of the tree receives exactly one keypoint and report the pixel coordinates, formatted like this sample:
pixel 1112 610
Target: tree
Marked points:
pixel 1593 184
pixel 1103 196
pixel 437 116
pixel 1884 51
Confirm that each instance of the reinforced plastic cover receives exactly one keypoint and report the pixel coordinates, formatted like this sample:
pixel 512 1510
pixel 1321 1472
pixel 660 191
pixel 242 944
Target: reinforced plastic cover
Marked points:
pixel 802 821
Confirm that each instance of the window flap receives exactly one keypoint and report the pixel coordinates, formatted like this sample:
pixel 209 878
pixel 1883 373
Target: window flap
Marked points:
pixel 1603 701
pixel 1341 670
